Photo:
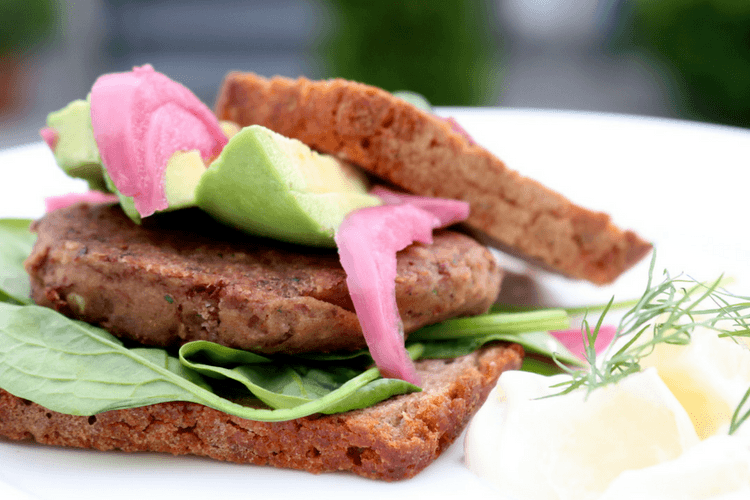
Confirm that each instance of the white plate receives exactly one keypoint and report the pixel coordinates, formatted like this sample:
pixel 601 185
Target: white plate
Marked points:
pixel 682 185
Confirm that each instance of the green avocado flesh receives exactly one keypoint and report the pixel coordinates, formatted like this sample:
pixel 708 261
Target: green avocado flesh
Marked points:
pixel 126 202
pixel 184 170
pixel 76 152
pixel 181 177
pixel 262 183
pixel 269 185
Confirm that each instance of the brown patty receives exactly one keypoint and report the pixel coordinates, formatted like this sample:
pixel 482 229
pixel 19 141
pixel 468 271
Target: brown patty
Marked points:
pixel 420 153
pixel 183 277
pixel 392 440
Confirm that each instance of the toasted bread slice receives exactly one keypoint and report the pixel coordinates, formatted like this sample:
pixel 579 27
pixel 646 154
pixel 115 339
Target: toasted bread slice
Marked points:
pixel 392 440
pixel 182 276
pixel 420 153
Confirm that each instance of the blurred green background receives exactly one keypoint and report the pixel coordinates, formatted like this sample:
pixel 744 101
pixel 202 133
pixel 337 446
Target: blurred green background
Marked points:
pixel 23 24
pixel 704 46
pixel 670 58
pixel 446 51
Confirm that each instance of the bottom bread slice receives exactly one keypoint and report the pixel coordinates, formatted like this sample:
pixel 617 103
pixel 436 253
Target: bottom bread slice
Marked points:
pixel 390 441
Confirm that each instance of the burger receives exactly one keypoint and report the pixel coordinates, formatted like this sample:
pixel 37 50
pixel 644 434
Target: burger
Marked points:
pixel 181 320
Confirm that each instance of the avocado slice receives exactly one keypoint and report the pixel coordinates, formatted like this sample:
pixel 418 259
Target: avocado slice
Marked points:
pixel 78 156
pixel 126 202
pixel 267 184
pixel 181 177
pixel 75 151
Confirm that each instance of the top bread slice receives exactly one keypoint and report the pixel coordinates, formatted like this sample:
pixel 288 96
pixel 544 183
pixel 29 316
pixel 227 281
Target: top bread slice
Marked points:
pixel 421 153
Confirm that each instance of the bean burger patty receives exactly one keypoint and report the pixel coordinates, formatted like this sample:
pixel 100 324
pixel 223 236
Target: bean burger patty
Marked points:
pixel 181 276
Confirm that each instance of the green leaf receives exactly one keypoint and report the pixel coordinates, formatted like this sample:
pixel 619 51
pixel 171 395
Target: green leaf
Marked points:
pixel 374 392
pixel 16 245
pixel 289 383
pixel 572 311
pixel 75 368
pixel 536 342
pixel 540 366
pixel 162 358
pixel 478 326
pixel 361 356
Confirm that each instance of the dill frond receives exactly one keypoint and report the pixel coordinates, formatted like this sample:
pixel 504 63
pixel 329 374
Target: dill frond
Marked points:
pixel 668 312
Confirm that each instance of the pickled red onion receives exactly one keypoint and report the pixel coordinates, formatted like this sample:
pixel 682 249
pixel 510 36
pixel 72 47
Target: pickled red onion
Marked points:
pixel 50 136
pixel 368 240
pixel 448 211
pixel 140 118
pixel 92 197
pixel 573 339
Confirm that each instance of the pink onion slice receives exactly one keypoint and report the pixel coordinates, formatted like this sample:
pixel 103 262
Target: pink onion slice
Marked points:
pixel 573 340
pixel 92 197
pixel 448 211
pixel 50 136
pixel 368 240
pixel 140 118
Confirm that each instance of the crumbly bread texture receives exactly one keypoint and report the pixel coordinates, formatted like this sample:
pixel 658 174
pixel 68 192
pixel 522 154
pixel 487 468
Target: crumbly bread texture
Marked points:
pixel 181 276
pixel 392 440
pixel 421 153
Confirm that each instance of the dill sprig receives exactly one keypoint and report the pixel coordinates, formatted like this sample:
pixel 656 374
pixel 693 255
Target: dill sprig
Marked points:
pixel 738 417
pixel 667 312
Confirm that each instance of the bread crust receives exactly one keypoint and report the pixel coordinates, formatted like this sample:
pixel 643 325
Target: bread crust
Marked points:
pixel 411 148
pixel 392 440
pixel 183 277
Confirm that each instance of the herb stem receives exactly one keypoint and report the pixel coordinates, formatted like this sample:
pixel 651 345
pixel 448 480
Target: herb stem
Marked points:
pixel 737 420
pixel 521 322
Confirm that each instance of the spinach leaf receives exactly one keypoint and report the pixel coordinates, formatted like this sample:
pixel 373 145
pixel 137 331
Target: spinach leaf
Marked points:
pixel 292 382
pixel 374 392
pixel 539 366
pixel 536 342
pixel 493 323
pixel 162 358
pixel 362 356
pixel 75 368
pixel 16 242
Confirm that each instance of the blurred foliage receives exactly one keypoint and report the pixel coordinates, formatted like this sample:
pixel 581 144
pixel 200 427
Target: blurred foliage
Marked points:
pixel 706 43
pixel 444 50
pixel 25 23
